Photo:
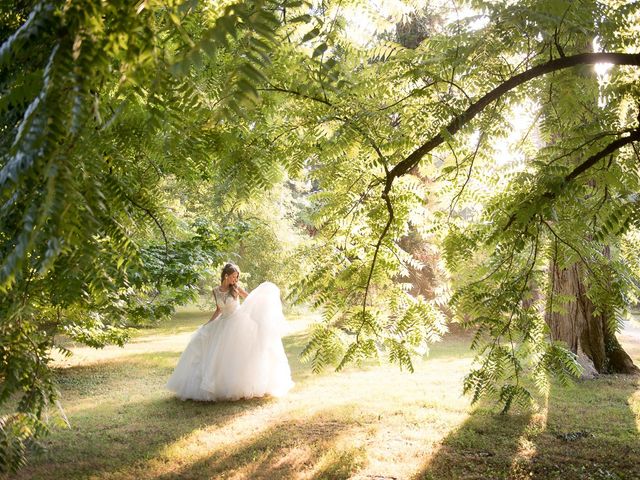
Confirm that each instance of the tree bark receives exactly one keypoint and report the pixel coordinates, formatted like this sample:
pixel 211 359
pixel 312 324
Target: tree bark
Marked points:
pixel 586 333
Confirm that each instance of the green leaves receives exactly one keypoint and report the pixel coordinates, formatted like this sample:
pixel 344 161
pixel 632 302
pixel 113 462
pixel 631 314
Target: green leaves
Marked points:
pixel 17 432
pixel 311 34
pixel 324 348
pixel 101 141
pixel 501 214
pixel 39 20
pixel 246 30
pixel 319 50
pixel 125 125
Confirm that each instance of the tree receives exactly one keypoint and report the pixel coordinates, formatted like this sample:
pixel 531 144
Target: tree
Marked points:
pixel 126 106
pixel 587 331
pixel 467 100
pixel 104 105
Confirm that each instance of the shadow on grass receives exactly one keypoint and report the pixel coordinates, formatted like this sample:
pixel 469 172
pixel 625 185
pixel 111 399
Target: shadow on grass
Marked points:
pixel 120 376
pixel 283 450
pixel 588 431
pixel 109 437
pixel 483 447
pixel 591 432
pixel 119 412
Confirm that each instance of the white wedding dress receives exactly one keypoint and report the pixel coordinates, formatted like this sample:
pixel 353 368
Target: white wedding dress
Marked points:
pixel 239 354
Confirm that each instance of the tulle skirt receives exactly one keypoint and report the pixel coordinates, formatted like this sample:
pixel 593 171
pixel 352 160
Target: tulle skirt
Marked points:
pixel 237 356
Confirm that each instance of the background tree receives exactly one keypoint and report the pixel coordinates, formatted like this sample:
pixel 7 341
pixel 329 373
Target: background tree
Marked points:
pixel 496 61
pixel 588 331
pixel 551 215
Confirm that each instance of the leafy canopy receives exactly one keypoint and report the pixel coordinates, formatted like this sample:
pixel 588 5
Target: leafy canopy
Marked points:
pixel 127 126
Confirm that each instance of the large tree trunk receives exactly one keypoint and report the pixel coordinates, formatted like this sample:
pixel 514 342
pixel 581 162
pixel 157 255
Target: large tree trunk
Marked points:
pixel 586 333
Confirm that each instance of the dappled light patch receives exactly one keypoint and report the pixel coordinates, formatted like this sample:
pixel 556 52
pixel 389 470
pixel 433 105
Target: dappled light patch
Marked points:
pixel 254 447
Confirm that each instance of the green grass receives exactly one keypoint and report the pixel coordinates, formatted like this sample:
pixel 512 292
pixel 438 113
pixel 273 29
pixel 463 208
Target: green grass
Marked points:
pixel 373 422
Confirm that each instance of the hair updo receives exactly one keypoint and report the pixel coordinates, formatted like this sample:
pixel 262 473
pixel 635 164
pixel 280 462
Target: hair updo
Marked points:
pixel 230 269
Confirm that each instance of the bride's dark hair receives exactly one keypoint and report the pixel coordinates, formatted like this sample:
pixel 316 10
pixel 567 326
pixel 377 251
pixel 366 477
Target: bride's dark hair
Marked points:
pixel 230 269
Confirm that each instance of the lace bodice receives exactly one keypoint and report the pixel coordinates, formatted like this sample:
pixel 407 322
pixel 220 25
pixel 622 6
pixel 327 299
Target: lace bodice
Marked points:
pixel 225 301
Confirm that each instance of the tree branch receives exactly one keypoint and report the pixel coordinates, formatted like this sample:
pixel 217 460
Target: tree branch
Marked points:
pixel 474 109
pixel 373 262
pixel 608 150
pixel 584 166
pixel 274 88
pixel 454 202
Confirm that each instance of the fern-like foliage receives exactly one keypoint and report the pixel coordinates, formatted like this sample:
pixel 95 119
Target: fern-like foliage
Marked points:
pixel 124 124
pixel 110 111
pixel 504 217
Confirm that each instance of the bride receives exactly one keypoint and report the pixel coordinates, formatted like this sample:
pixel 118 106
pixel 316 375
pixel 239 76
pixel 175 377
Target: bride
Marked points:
pixel 238 353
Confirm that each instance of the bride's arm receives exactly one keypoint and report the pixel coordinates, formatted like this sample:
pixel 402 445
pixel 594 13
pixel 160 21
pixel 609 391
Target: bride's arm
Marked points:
pixel 218 309
pixel 215 314
pixel 242 292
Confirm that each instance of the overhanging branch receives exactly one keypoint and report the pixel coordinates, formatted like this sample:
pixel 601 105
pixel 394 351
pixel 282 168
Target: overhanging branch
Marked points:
pixel 474 109
pixel 609 149
pixel 587 164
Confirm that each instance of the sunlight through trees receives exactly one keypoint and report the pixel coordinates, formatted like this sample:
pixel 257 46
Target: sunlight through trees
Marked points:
pixel 143 143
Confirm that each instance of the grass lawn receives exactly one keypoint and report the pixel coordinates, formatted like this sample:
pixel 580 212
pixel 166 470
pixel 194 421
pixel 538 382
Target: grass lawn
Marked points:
pixel 374 422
